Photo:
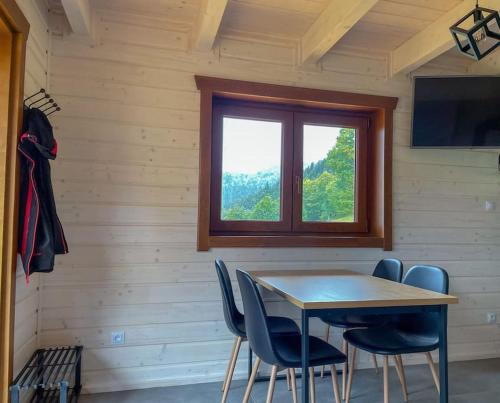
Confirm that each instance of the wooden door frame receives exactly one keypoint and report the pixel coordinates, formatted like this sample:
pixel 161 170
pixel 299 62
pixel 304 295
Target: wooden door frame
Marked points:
pixel 16 22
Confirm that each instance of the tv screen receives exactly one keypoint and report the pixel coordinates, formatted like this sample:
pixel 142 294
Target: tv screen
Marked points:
pixel 456 112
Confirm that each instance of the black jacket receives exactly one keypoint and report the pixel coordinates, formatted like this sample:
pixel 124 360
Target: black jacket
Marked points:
pixel 40 233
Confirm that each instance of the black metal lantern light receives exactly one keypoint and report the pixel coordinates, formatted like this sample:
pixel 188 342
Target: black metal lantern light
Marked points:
pixel 478 33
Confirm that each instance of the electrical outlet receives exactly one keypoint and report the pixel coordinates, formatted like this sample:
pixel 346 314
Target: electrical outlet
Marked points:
pixel 489 205
pixel 491 317
pixel 118 337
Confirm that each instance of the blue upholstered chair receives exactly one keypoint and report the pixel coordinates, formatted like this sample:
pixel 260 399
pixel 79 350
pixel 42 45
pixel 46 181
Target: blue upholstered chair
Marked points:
pixel 411 333
pixel 235 321
pixel 280 350
pixel 388 269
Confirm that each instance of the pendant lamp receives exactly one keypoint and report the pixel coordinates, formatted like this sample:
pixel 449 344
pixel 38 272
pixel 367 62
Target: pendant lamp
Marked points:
pixel 477 34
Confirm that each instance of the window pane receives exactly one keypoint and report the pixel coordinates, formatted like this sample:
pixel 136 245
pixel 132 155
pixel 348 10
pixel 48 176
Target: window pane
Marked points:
pixel 328 188
pixel 251 170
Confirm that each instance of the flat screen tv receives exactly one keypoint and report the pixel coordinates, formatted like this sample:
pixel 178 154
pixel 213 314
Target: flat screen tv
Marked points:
pixel 456 112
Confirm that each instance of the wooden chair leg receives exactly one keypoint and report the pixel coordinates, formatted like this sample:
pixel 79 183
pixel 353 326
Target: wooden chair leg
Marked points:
pixel 231 369
pixel 229 364
pixel 351 375
pixel 345 350
pixel 312 385
pixel 401 376
pixel 327 336
pixel 375 363
pixel 251 381
pixel 272 382
pixel 335 382
pixel 435 375
pixel 294 385
pixel 386 379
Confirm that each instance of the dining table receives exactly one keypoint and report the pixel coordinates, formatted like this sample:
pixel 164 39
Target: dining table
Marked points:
pixel 318 292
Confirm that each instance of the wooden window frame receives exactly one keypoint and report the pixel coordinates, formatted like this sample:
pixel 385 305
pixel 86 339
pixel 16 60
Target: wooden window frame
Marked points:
pixel 378 178
pixel 13 68
pixel 243 111
pixel 360 123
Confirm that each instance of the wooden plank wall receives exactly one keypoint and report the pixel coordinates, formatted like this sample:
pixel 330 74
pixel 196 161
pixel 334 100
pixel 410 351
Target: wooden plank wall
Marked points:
pixel 489 65
pixel 126 187
pixel 36 77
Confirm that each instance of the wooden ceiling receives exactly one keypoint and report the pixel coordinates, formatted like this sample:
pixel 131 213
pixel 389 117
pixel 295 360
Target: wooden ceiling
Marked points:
pixel 412 32
pixel 387 25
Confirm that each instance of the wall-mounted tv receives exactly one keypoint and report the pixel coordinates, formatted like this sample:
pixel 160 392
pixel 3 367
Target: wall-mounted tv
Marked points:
pixel 456 112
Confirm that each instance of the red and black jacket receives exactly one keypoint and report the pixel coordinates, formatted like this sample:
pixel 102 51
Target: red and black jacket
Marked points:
pixel 41 236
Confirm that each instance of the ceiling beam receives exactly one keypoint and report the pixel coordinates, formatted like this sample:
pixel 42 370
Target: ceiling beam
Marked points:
pixel 433 41
pixel 333 23
pixel 209 21
pixel 79 14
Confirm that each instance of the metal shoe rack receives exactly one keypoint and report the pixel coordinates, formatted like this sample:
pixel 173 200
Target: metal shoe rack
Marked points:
pixel 51 375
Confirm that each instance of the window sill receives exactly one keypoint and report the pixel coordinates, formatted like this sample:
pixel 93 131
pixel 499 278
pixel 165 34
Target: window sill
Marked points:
pixel 284 241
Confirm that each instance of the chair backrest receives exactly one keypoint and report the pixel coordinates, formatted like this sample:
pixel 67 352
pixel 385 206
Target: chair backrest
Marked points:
pixel 389 269
pixel 231 313
pixel 256 324
pixel 431 278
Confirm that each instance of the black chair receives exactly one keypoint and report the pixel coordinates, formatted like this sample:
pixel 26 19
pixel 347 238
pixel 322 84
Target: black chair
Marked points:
pixel 236 323
pixel 411 333
pixel 280 350
pixel 387 269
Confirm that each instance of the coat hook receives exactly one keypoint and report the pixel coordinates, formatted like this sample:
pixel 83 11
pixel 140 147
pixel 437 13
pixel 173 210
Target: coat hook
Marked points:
pixel 50 101
pixel 38 100
pixel 42 91
pixel 55 110
pixel 54 105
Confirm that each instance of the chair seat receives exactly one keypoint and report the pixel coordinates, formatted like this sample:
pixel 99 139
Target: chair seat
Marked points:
pixel 388 340
pixel 277 325
pixel 288 349
pixel 350 321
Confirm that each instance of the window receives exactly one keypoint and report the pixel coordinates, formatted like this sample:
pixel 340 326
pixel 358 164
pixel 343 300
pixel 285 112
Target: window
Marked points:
pixel 290 170
pixel 251 172
pixel 287 170
pixel 330 172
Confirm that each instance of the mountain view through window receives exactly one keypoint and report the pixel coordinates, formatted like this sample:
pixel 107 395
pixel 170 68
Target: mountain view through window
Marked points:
pixel 251 172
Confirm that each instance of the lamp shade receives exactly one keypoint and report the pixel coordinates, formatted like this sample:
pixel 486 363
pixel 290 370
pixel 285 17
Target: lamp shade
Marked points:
pixel 478 33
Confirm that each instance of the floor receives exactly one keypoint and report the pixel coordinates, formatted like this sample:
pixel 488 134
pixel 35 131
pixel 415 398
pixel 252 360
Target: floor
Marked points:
pixel 470 382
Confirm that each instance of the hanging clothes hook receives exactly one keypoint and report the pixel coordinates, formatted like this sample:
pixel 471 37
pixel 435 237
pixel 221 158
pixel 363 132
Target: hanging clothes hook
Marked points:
pixel 50 101
pixel 55 110
pixel 54 105
pixel 42 91
pixel 38 100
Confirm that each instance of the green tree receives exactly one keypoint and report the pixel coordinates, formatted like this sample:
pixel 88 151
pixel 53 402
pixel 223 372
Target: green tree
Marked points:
pixel 235 213
pixel 318 200
pixel 266 209
pixel 328 188
pixel 330 196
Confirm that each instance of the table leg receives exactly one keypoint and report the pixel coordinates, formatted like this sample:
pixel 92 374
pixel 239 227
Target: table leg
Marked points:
pixel 305 356
pixel 443 354
pixel 250 364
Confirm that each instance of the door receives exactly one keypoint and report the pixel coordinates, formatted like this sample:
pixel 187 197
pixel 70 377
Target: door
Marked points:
pixel 13 34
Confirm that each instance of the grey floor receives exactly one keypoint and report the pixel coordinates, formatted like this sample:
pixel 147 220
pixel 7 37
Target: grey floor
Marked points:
pixel 470 382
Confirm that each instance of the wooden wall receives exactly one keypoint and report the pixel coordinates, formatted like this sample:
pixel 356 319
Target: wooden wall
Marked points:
pixel 36 77
pixel 489 65
pixel 126 187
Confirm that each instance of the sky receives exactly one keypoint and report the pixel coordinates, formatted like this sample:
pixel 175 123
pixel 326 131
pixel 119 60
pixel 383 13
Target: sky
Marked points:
pixel 250 146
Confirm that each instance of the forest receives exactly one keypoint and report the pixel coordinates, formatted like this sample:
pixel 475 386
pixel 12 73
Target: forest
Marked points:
pixel 327 189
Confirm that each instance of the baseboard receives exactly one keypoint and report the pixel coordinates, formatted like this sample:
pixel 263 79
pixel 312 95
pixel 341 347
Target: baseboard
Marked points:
pixel 113 380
